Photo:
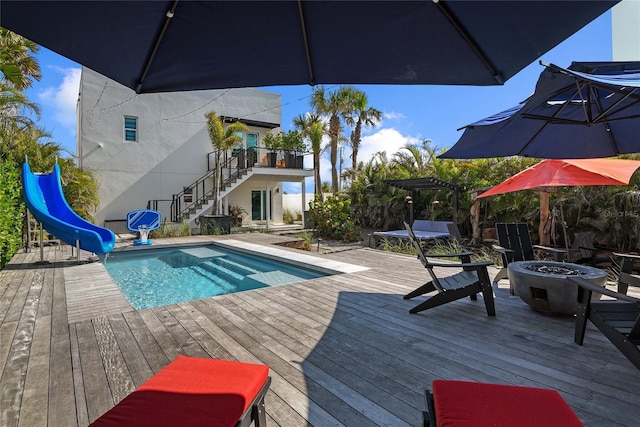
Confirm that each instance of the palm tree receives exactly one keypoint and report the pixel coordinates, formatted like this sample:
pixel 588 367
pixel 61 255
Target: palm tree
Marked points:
pixel 222 140
pixel 18 65
pixel 358 115
pixel 18 69
pixel 312 127
pixel 331 104
pixel 12 104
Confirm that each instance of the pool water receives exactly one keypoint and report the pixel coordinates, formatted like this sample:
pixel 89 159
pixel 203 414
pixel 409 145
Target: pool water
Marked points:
pixel 156 277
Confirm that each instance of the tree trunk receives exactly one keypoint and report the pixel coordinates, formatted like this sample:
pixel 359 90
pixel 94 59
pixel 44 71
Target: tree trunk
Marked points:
pixel 316 175
pixel 334 170
pixel 334 133
pixel 216 184
pixel 544 229
pixel 476 233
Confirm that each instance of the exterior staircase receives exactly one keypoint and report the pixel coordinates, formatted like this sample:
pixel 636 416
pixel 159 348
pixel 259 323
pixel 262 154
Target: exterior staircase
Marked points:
pixel 195 210
pixel 198 198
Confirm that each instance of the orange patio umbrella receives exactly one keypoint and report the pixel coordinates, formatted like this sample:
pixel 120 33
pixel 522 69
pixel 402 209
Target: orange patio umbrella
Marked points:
pixel 561 173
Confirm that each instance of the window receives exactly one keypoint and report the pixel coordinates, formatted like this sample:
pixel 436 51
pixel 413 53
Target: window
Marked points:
pixel 252 140
pixel 130 128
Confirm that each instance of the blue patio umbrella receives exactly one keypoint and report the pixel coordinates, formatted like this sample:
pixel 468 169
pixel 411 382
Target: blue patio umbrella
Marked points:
pixel 590 110
pixel 165 46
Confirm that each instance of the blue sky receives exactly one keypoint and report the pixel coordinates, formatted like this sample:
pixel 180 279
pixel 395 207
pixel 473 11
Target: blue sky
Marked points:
pixel 411 113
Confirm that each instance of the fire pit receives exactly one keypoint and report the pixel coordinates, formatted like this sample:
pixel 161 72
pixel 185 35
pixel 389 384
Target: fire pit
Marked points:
pixel 543 284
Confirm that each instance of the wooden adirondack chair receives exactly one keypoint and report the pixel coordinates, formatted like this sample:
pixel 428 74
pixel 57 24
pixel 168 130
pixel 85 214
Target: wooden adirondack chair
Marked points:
pixel 618 319
pixel 473 279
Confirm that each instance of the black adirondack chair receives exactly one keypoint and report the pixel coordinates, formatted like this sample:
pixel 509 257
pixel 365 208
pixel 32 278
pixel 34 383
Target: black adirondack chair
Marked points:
pixel 515 245
pixel 473 279
pixel 583 251
pixel 618 319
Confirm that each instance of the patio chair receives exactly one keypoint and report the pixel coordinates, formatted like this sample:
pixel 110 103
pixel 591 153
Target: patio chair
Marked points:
pixel 465 403
pixel 196 391
pixel 617 319
pixel 583 251
pixel 515 245
pixel 473 279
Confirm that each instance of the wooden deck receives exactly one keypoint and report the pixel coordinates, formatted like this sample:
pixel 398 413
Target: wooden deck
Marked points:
pixel 343 350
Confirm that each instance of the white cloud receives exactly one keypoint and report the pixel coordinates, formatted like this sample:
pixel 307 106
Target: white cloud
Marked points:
pixel 393 116
pixel 388 139
pixel 62 99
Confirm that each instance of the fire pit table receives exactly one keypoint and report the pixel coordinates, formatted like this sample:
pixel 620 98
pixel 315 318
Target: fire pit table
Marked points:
pixel 543 284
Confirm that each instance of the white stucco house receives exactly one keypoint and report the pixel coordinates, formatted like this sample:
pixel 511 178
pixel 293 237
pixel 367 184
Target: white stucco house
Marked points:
pixel 153 151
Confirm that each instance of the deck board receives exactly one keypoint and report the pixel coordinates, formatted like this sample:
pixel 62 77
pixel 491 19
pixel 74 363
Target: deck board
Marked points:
pixel 343 350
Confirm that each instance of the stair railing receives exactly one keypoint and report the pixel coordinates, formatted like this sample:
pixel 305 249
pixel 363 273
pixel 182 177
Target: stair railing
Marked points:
pixel 234 165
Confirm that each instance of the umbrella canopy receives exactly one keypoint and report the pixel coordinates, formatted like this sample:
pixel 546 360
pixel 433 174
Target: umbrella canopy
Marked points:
pixel 164 46
pixel 589 110
pixel 561 173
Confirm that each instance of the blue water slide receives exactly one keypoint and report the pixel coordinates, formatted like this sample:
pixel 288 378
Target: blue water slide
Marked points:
pixel 43 195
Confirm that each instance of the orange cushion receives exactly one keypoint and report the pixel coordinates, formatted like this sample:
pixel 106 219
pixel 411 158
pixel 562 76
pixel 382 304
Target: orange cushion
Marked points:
pixel 469 404
pixel 192 392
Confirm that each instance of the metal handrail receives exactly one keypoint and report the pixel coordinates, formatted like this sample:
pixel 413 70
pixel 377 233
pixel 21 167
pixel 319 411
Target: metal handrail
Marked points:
pixel 233 166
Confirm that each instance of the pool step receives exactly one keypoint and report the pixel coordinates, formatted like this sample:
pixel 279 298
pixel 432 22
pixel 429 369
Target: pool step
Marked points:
pixel 242 269
pixel 216 268
pixel 225 285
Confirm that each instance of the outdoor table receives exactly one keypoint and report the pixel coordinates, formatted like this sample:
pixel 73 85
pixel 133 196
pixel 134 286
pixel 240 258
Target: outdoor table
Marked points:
pixel 543 285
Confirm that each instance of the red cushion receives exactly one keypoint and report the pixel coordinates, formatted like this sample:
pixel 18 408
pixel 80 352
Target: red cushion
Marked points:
pixel 469 404
pixel 190 392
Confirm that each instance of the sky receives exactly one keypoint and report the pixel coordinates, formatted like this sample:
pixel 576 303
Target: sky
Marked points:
pixel 411 114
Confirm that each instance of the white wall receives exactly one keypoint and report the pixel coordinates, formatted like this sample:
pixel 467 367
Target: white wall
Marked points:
pixel 173 141
pixel 292 202
pixel 625 25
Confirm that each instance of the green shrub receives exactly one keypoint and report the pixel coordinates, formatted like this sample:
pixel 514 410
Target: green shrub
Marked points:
pixel 169 229
pixel 306 239
pixel 334 219
pixel 287 216
pixel 11 212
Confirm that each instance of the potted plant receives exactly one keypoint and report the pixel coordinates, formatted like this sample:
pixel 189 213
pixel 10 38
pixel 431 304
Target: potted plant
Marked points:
pixel 272 142
pixel 300 149
pixel 291 141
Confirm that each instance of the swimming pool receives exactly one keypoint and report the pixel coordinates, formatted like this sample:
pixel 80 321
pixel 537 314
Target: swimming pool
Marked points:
pixel 156 277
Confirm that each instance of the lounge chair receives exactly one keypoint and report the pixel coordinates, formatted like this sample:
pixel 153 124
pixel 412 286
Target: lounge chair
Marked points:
pixel 196 391
pixel 515 245
pixel 464 403
pixel 617 319
pixel 423 230
pixel 473 279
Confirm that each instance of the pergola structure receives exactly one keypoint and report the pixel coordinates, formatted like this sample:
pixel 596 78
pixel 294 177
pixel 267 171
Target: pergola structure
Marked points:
pixel 420 184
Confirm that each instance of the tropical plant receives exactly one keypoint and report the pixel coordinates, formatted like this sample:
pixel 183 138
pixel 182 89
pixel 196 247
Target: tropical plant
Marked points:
pixel 334 219
pixel 312 127
pixel 307 238
pixel 272 141
pixel 11 212
pixel 292 141
pixel 222 140
pixel 331 104
pixel 357 115
pixel 237 214
pixel 18 64
pixel 80 188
